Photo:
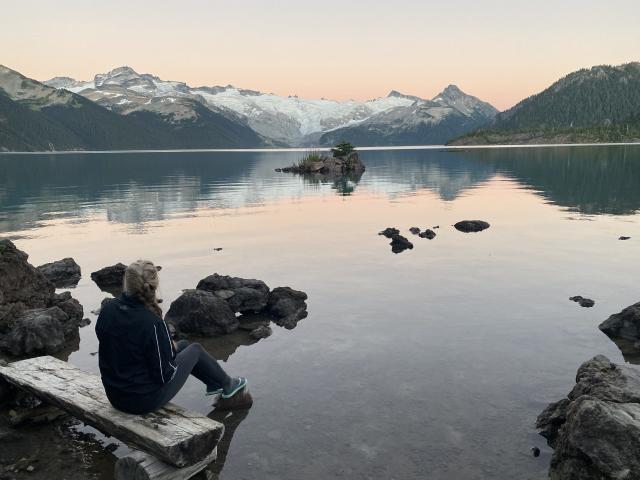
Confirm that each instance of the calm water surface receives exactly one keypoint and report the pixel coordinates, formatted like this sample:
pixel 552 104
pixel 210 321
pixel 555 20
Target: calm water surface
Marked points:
pixel 432 363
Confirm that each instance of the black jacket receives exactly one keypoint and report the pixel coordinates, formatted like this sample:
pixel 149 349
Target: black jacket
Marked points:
pixel 136 353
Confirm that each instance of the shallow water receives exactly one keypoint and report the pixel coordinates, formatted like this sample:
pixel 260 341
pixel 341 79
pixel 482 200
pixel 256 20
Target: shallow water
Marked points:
pixel 432 363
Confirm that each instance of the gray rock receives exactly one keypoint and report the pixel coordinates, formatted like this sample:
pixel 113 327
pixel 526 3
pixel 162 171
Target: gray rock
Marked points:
pixel 623 238
pixel 471 226
pixel 199 312
pixel 242 295
pixel 287 306
pixel 36 332
pixel 62 273
pixel 110 279
pixel 595 431
pixel 414 230
pixel 260 332
pixel 623 325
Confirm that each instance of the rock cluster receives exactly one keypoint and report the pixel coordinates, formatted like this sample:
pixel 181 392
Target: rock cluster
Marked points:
pixel 211 309
pixel 34 320
pixel 582 301
pixel 398 243
pixel 595 430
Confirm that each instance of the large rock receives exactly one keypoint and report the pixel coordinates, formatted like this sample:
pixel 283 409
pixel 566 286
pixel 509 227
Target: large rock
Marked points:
pixel 595 431
pixel 199 312
pixel 624 325
pixel 242 295
pixel 471 226
pixel 33 318
pixel 36 332
pixel 62 273
pixel 110 279
pixel 287 306
pixel 20 282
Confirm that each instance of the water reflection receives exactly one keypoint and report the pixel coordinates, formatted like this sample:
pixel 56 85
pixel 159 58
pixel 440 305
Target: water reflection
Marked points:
pixel 231 421
pixel 135 188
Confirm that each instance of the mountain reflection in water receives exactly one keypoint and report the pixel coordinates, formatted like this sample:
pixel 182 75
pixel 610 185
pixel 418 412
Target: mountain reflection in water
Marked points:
pixel 137 188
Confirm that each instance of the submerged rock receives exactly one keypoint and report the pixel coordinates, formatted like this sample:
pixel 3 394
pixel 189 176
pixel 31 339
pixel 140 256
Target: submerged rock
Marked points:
pixel 200 312
pixel 595 431
pixel 428 233
pixel 263 331
pixel 63 273
pixel 471 226
pixel 110 279
pixel 242 295
pixel 287 306
pixel 583 302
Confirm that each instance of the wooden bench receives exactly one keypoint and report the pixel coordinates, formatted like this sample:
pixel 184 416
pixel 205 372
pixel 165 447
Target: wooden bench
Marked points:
pixel 171 443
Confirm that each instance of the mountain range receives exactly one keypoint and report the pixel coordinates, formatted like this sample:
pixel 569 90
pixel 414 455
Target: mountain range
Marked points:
pixel 599 104
pixel 123 109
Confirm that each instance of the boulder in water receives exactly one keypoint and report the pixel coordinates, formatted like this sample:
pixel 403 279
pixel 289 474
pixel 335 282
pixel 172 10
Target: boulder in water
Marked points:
pixel 199 312
pixel 595 431
pixel 624 325
pixel 110 279
pixel 400 244
pixel 287 306
pixel 63 273
pixel 468 226
pixel 242 295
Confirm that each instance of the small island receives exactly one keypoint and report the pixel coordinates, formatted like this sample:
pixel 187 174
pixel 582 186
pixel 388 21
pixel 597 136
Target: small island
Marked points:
pixel 344 160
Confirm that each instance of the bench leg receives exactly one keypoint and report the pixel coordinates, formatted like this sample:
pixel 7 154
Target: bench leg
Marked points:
pixel 142 466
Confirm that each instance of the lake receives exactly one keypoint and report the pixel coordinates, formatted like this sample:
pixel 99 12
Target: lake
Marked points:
pixel 431 363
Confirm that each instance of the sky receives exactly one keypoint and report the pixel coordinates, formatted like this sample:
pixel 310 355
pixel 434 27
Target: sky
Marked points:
pixel 499 51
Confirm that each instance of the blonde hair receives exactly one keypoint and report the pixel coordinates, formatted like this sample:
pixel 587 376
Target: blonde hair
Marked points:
pixel 141 282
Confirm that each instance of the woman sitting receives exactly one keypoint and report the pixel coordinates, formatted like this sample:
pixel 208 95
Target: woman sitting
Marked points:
pixel 141 367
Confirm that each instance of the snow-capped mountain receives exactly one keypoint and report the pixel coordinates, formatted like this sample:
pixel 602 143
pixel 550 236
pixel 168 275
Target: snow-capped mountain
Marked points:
pixel 449 114
pixel 282 120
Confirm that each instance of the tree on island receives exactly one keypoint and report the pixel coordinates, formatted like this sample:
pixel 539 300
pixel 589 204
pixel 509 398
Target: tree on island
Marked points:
pixel 343 149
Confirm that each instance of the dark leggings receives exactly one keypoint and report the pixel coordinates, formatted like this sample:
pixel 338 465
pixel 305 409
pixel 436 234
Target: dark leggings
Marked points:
pixel 192 359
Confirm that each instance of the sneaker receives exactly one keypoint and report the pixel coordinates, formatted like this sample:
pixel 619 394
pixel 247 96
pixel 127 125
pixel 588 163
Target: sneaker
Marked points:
pixel 237 384
pixel 213 390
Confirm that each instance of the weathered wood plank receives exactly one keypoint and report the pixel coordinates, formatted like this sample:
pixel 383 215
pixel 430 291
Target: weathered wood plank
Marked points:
pixel 173 434
pixel 142 466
